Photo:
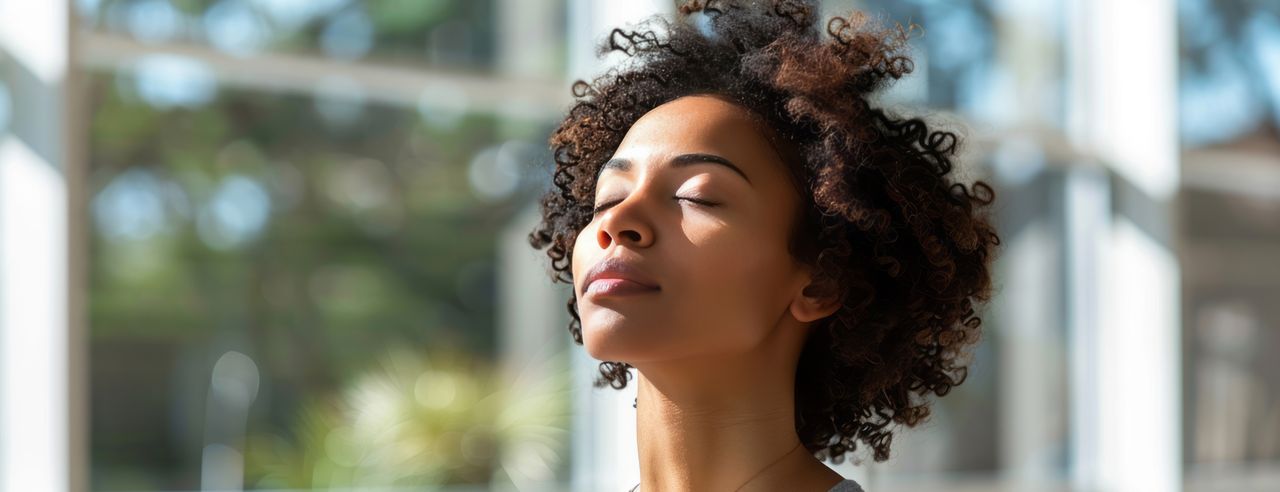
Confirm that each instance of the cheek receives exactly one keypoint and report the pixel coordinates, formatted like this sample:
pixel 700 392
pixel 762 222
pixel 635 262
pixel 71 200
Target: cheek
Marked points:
pixel 745 252
pixel 736 280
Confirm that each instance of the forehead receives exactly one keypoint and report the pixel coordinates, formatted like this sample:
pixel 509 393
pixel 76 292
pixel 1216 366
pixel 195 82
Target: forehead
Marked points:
pixel 696 123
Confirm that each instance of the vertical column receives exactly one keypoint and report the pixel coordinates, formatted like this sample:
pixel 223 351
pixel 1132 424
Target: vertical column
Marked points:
pixel 605 455
pixel 529 34
pixel 532 322
pixel 1022 103
pixel 527 47
pixel 1030 330
pixel 41 341
pixel 529 320
pixel 1122 110
pixel 1086 201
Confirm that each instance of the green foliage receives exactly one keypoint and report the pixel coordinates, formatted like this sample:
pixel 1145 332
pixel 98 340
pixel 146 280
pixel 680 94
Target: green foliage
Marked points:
pixel 416 421
pixel 373 239
pixel 406 16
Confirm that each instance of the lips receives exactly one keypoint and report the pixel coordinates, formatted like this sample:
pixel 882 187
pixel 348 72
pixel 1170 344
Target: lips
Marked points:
pixel 617 287
pixel 614 275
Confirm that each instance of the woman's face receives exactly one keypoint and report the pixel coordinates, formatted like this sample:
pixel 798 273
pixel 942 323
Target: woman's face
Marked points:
pixel 724 276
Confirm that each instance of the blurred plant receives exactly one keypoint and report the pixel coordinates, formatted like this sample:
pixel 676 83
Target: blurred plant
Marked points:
pixel 418 420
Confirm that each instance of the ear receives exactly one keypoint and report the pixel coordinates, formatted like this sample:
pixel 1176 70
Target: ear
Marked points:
pixel 815 302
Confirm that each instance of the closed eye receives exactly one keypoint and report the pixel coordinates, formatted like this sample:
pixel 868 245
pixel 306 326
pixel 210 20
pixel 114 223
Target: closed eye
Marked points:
pixel 602 207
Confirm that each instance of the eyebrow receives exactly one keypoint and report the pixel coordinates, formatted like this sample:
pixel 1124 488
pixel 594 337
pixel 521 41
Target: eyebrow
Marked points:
pixel 624 165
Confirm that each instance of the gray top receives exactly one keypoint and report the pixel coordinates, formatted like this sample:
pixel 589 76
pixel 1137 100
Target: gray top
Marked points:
pixel 846 485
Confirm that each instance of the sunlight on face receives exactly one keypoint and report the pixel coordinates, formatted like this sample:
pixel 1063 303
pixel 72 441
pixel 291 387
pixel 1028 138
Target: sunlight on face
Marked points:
pixel 713 239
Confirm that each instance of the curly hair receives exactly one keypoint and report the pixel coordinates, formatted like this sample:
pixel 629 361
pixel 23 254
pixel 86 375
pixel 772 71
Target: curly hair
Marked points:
pixel 907 250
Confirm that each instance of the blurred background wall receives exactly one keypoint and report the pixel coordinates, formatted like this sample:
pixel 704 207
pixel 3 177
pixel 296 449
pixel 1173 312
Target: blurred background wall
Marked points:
pixel 280 245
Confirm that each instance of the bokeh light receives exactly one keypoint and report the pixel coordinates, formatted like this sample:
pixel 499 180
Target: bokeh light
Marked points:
pixel 234 27
pixel 167 81
pixel 235 214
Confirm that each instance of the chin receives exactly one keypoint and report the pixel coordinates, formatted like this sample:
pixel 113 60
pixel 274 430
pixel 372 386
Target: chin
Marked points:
pixel 608 340
pixel 601 344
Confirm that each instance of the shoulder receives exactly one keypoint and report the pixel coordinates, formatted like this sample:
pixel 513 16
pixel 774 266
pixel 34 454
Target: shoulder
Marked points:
pixel 846 485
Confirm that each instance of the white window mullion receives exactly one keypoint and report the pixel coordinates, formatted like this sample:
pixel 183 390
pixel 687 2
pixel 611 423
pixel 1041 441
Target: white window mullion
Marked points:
pixel 1123 111
pixel 42 387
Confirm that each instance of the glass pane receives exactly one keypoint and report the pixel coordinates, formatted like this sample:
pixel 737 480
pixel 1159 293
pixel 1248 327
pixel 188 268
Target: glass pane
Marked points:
pixel 302 290
pixel 1230 107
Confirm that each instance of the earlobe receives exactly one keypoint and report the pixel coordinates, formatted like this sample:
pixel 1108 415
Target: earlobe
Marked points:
pixel 814 303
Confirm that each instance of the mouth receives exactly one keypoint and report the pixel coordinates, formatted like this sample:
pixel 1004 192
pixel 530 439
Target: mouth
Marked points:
pixel 617 287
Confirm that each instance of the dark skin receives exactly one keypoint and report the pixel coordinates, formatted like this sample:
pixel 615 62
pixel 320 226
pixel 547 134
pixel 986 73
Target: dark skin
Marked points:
pixel 716 347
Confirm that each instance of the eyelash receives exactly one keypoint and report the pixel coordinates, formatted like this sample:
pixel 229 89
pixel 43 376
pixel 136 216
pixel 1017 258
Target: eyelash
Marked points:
pixel 698 201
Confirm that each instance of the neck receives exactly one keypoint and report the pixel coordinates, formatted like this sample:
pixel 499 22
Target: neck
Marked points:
pixel 716 423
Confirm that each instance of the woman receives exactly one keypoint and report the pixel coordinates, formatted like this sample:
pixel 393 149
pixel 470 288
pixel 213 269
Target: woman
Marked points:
pixel 789 269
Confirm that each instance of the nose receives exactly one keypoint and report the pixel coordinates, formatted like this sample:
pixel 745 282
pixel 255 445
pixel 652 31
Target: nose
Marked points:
pixel 626 223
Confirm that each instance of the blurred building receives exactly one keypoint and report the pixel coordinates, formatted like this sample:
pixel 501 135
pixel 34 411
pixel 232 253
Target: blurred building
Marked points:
pixel 280 245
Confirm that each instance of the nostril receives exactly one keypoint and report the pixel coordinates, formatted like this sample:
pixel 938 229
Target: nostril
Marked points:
pixel 632 235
